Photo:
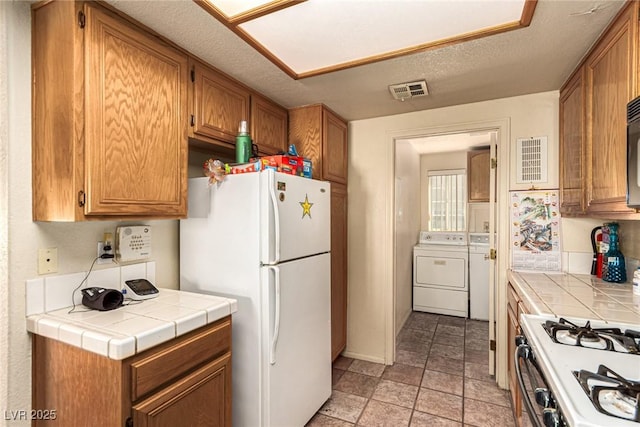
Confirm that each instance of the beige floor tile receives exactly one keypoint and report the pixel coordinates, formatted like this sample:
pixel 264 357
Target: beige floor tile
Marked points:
pixel 480 357
pixel 478 372
pixel 453 352
pixel 477 325
pixel 320 420
pixel 403 374
pixel 415 335
pixel 423 322
pixel 476 344
pixel 450 329
pixel 485 391
pixel 380 414
pixel 420 419
pixel 367 368
pixel 343 363
pixel 344 406
pixel 445 364
pixel 396 393
pixel 442 381
pixel 483 414
pixel 411 358
pixel 336 374
pixel 448 339
pixel 358 384
pixel 441 404
pixel 419 347
pixel 452 320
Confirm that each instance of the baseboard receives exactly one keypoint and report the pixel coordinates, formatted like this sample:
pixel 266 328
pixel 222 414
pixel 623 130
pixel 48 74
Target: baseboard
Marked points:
pixel 364 357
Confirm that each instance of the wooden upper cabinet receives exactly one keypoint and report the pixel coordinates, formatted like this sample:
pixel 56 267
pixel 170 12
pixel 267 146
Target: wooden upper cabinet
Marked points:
pixel 334 148
pixel 611 82
pixel 321 136
pixel 572 145
pixel 478 175
pixel 268 125
pixel 219 105
pixel 110 117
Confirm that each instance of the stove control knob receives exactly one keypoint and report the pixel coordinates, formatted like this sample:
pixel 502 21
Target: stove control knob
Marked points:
pixel 551 418
pixel 521 340
pixel 543 397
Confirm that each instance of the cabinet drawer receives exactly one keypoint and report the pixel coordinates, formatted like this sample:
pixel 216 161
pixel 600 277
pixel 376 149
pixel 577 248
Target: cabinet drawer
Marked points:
pixel 513 299
pixel 167 364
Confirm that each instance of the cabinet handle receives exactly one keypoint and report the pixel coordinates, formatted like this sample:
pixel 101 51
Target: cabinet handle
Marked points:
pixel 82 198
pixel 128 423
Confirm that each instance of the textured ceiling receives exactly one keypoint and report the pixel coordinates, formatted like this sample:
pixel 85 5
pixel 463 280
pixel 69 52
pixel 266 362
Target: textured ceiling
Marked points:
pixel 529 60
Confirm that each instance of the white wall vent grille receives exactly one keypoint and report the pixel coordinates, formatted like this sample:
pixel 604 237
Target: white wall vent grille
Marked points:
pixel 404 91
pixel 531 159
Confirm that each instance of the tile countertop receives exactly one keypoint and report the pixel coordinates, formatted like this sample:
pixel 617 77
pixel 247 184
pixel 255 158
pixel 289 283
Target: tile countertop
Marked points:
pixel 133 328
pixel 577 295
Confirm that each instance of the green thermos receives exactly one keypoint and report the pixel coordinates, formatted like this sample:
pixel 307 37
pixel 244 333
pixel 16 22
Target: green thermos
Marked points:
pixel 243 143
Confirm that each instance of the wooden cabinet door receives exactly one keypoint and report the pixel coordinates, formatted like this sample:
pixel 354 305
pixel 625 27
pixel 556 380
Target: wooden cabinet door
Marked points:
pixel 512 332
pixel 478 175
pixel 305 131
pixel 136 120
pixel 219 105
pixel 572 145
pixel 204 397
pixel 338 269
pixel 611 84
pixel 268 125
pixel 334 151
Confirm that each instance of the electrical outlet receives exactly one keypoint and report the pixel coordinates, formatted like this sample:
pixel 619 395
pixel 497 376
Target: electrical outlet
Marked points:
pixel 102 251
pixel 47 260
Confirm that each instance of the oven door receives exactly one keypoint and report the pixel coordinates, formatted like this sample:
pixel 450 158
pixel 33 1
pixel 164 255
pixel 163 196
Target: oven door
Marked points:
pixel 538 399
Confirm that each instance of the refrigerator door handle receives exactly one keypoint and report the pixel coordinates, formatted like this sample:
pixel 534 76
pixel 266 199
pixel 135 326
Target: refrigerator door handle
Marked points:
pixel 276 217
pixel 276 320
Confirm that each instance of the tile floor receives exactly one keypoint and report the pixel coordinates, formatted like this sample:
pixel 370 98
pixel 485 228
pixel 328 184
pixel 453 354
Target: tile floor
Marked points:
pixel 440 379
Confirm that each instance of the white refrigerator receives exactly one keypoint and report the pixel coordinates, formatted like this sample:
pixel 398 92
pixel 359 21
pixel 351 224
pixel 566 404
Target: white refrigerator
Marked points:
pixel 264 239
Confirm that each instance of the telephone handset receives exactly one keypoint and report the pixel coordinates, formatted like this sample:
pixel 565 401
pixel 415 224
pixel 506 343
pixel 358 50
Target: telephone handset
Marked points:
pixel 133 243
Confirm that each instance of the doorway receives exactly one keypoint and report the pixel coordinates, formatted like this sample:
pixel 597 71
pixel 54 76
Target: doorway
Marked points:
pixel 408 147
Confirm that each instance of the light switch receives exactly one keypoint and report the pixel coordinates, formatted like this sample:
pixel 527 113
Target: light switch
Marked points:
pixel 47 260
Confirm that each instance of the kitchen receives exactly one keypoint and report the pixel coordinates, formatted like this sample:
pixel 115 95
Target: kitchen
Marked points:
pixel 370 271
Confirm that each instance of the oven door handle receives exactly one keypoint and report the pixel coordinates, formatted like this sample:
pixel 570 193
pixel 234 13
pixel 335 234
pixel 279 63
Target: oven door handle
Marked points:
pixel 523 352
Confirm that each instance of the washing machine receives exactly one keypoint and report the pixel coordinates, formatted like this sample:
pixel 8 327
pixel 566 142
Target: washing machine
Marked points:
pixel 441 274
pixel 479 276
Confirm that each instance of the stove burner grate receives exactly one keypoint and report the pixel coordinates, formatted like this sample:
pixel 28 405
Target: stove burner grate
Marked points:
pixel 611 339
pixel 611 393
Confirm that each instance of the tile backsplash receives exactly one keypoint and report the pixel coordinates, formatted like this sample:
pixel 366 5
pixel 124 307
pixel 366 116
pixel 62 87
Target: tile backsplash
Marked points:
pixel 50 293
pixel 580 263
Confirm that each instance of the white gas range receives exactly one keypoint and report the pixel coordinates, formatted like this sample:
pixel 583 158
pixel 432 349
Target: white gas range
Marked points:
pixel 590 372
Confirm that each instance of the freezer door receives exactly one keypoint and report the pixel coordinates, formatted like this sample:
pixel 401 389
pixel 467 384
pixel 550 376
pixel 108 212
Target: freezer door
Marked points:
pixel 295 217
pixel 296 355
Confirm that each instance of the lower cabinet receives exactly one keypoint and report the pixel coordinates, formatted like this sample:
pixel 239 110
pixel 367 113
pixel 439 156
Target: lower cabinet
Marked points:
pixel 186 381
pixel 515 308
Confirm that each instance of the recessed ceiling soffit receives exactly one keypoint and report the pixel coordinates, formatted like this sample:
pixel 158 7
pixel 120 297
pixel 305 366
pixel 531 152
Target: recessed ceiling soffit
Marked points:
pixel 309 38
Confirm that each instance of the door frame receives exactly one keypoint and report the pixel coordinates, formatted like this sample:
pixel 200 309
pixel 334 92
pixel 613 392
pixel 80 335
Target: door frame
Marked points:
pixel 503 127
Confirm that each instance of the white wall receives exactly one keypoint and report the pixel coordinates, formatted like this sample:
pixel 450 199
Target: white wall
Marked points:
pixel 407 225
pixel 76 242
pixel 371 178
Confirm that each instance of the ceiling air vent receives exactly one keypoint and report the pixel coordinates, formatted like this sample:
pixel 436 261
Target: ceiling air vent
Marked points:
pixel 404 91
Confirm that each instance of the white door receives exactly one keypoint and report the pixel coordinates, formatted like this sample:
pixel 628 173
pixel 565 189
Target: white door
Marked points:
pixel 493 277
pixel 296 217
pixel 297 347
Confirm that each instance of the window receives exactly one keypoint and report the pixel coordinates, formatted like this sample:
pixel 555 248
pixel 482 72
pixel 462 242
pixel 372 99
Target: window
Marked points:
pixel 447 200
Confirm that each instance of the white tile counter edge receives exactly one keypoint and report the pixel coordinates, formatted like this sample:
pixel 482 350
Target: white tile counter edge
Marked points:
pixel 536 302
pixel 131 329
